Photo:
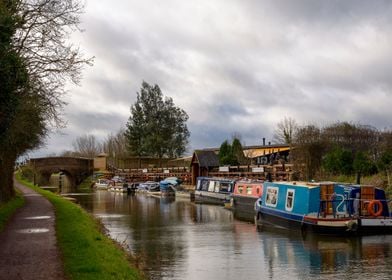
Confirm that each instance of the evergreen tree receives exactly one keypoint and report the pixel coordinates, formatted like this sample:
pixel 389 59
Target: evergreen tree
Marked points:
pixel 156 127
pixel 339 161
pixel 225 153
pixel 238 151
pixel 231 154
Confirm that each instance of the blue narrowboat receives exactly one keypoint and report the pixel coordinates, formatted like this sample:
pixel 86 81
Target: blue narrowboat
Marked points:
pixel 325 208
pixel 213 190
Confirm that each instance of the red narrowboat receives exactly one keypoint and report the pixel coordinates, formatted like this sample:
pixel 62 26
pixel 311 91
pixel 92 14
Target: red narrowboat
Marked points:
pixel 243 199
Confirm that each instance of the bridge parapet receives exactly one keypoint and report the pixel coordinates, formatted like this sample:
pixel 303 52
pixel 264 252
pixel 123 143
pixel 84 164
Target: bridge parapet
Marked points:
pixel 76 169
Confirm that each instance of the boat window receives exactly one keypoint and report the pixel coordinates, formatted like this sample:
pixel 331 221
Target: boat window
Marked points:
pixel 198 185
pixel 257 190
pixel 290 199
pixel 272 196
pixel 248 190
pixel 211 186
pixel 225 187
pixel 204 186
pixel 240 189
pixel 217 185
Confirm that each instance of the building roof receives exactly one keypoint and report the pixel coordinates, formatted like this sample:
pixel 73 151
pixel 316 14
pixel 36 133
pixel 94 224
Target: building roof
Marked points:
pixel 258 150
pixel 205 158
pixel 264 151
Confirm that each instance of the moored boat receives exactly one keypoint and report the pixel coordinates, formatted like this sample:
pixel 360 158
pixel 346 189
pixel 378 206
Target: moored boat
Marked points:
pixel 243 199
pixel 168 186
pixel 149 186
pixel 213 190
pixel 102 184
pixel 119 188
pixel 166 189
pixel 325 208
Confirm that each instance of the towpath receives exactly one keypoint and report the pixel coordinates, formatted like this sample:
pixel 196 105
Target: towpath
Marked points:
pixel 28 245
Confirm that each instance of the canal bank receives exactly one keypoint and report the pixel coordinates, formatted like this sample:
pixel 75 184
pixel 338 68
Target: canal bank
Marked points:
pixel 86 252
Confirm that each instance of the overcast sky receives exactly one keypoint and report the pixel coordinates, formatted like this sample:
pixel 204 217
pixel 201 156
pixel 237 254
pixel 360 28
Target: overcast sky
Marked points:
pixel 233 66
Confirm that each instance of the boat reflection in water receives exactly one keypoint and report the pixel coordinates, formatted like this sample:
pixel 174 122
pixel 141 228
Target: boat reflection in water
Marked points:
pixel 176 239
pixel 325 257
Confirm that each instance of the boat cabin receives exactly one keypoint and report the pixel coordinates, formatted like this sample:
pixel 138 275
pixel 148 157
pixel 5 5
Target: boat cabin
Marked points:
pixel 325 207
pixel 249 188
pixel 244 196
pixel 217 185
pixel 213 190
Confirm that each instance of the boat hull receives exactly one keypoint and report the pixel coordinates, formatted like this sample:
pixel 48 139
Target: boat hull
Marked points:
pixel 166 192
pixel 372 226
pixel 243 207
pixel 211 197
pixel 299 222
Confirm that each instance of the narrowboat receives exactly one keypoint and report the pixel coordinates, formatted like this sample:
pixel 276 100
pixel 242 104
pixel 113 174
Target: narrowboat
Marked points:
pixel 243 199
pixel 370 205
pixel 325 208
pixel 213 190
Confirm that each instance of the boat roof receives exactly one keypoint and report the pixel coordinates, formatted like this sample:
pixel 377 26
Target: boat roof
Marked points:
pixel 249 182
pixel 309 185
pixel 215 179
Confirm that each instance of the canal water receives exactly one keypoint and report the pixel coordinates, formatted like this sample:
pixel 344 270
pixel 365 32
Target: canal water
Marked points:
pixel 178 239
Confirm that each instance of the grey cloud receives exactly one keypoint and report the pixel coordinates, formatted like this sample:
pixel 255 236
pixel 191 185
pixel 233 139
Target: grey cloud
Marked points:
pixel 86 122
pixel 334 12
pixel 237 66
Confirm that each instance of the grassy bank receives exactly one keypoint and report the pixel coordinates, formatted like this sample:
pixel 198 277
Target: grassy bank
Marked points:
pixel 7 209
pixel 87 252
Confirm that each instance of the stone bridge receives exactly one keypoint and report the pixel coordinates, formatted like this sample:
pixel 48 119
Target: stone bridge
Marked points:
pixel 75 169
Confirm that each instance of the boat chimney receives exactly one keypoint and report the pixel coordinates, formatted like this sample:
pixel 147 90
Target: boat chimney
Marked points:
pixel 269 143
pixel 263 141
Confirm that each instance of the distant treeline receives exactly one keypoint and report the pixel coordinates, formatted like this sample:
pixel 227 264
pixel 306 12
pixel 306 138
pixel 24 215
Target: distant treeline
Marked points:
pixel 341 148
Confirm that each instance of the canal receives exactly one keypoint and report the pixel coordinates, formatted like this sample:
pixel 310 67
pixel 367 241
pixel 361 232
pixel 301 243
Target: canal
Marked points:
pixel 178 239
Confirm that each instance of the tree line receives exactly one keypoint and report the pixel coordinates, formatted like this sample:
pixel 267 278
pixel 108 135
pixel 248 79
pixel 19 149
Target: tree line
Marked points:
pixel 340 148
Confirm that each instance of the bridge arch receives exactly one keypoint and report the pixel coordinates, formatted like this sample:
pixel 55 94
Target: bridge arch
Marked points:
pixel 76 169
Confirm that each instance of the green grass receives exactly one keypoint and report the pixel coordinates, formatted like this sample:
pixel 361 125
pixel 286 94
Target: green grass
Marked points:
pixel 86 251
pixel 85 186
pixel 9 208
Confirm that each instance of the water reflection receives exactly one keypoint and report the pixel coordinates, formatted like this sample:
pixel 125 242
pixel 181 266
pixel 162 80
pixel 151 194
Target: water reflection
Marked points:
pixel 324 257
pixel 177 239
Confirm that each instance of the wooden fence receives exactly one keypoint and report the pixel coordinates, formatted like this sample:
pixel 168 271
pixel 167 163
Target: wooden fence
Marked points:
pixel 276 172
pixel 262 172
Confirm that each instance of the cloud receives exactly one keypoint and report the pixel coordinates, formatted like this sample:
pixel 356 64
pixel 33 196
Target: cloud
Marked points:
pixel 235 66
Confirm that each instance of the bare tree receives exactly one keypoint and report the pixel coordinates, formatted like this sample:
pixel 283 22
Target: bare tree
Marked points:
pixel 41 41
pixel 116 147
pixel 35 43
pixel 87 146
pixel 309 149
pixel 285 131
pixel 353 137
